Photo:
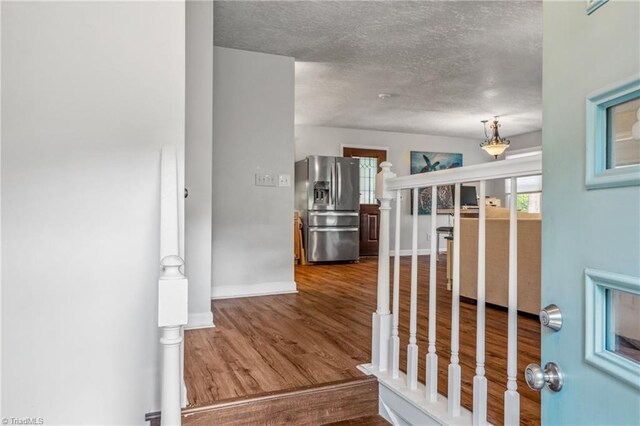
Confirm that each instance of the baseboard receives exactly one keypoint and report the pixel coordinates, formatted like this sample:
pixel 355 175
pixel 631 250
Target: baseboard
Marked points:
pixel 250 290
pixel 200 320
pixel 409 252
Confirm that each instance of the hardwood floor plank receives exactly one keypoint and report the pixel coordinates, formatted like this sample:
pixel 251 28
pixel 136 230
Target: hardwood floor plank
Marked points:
pixel 276 343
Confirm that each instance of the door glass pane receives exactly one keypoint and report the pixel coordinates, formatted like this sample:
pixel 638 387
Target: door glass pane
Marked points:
pixel 368 171
pixel 623 135
pixel 623 330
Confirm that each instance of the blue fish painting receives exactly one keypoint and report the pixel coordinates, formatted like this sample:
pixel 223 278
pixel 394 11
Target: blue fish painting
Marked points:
pixel 425 162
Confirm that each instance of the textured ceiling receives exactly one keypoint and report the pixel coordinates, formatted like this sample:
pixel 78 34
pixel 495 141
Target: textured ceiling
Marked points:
pixel 447 64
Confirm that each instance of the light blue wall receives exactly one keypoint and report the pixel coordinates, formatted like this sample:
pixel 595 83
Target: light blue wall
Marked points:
pixel 597 228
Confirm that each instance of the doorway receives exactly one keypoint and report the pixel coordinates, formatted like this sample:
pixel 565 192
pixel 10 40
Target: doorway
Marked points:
pixel 370 160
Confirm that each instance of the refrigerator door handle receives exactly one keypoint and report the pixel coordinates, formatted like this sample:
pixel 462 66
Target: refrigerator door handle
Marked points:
pixel 334 213
pixel 332 194
pixel 333 229
pixel 339 184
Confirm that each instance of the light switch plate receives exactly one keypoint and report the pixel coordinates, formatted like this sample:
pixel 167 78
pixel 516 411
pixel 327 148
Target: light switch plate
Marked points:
pixel 266 179
pixel 284 180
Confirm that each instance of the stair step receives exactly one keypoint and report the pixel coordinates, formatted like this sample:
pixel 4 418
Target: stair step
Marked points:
pixel 313 405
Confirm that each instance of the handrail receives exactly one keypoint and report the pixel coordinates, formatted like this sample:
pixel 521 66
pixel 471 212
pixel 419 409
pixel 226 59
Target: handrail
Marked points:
pixel 517 167
pixel 172 293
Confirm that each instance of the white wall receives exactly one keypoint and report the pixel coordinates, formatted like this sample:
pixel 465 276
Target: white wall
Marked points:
pixel 526 140
pixel 90 93
pixel 253 112
pixel 198 157
pixel 311 140
pixel 1 320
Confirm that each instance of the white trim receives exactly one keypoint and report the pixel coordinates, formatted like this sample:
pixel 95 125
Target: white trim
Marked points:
pixel 199 320
pixel 249 290
pixel 349 145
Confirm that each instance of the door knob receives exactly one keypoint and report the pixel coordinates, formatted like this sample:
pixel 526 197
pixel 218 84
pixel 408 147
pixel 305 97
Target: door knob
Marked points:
pixel 551 317
pixel 537 378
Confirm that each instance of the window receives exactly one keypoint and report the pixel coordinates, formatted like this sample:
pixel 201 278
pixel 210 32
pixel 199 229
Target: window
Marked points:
pixel 623 144
pixel 529 197
pixel 623 328
pixel 613 135
pixel 612 324
pixel 368 171
pixel 529 203
pixel 370 160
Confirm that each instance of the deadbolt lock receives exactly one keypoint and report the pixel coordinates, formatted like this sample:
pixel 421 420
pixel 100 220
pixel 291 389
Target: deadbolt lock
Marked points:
pixel 551 317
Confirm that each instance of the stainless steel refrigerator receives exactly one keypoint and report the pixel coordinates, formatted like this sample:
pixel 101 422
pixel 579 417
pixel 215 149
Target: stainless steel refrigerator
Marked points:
pixel 328 198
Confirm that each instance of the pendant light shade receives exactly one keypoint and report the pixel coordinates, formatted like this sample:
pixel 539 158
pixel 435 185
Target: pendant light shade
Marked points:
pixel 494 145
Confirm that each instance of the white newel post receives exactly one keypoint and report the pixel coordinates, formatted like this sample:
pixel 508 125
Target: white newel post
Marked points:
pixel 382 317
pixel 172 315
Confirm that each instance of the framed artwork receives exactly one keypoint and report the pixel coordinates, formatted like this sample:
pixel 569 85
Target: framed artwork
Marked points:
pixel 425 162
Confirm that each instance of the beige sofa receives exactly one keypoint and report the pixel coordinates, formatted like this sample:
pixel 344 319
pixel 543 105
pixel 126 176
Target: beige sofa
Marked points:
pixel 497 258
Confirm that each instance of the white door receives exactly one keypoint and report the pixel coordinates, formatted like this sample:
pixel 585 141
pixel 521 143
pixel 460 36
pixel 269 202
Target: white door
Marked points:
pixel 591 236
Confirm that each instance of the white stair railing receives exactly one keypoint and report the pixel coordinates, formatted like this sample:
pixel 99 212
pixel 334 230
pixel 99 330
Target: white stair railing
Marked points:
pixel 172 294
pixel 386 340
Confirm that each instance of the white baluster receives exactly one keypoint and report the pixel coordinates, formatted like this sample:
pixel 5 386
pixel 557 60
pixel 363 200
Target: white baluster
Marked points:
pixel 172 315
pixel 395 339
pixel 431 379
pixel 454 367
pixel 184 400
pixel 511 396
pixel 382 316
pixel 480 381
pixel 412 348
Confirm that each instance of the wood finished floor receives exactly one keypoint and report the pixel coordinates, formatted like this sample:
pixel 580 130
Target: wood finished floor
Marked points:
pixel 276 343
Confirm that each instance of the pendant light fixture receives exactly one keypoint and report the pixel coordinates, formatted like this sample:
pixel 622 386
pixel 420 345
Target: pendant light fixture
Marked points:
pixel 494 145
